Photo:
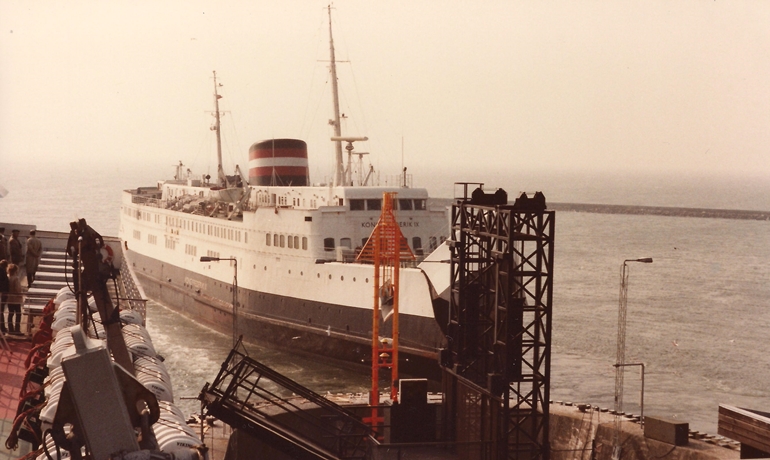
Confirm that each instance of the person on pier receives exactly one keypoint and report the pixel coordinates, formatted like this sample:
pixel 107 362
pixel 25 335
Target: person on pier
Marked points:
pixel 15 299
pixel 4 287
pixel 15 248
pixel 34 251
pixel 3 245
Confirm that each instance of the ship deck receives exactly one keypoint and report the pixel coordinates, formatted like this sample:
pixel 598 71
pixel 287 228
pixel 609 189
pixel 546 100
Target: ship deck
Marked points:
pixel 12 372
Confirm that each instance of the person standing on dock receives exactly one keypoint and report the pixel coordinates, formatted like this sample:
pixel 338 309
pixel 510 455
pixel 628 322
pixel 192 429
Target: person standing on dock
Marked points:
pixel 14 300
pixel 15 248
pixel 4 287
pixel 34 251
pixel 3 245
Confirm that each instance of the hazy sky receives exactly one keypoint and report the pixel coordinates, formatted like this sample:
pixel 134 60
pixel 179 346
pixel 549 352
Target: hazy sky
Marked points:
pixel 503 85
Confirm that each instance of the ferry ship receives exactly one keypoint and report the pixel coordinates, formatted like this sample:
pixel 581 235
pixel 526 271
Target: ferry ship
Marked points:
pixel 279 252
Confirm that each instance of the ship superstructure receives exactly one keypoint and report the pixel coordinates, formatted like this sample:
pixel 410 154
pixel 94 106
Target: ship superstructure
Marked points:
pixel 295 244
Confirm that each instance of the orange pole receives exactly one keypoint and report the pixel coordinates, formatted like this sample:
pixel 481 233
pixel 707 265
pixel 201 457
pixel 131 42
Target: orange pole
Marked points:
pixel 374 396
pixel 396 260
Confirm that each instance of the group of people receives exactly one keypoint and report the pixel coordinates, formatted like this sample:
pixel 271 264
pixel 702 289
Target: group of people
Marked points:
pixel 12 258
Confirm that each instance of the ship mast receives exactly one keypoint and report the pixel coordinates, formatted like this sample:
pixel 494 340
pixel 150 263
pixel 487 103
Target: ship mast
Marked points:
pixel 216 127
pixel 339 170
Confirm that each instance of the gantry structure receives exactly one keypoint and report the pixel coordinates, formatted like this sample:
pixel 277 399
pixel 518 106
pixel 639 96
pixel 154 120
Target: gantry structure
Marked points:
pixel 497 362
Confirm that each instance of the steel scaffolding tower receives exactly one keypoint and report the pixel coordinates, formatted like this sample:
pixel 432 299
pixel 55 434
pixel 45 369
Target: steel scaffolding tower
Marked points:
pixel 386 248
pixel 497 364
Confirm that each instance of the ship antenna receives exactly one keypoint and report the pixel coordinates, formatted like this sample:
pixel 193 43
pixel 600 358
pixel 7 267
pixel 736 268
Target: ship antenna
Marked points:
pixel 217 128
pixel 338 173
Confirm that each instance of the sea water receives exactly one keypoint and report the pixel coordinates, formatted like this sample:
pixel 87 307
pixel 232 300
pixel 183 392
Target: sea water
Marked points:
pixel 697 316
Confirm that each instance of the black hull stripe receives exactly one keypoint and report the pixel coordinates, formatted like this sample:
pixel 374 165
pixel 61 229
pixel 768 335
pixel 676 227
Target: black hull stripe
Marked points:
pixel 298 325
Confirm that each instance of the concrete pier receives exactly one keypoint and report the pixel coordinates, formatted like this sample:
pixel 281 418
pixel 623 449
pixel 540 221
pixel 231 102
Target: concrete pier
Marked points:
pixel 588 435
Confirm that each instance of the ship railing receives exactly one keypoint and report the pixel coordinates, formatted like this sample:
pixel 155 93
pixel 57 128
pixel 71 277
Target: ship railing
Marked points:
pixel 147 201
pixel 396 181
pixel 32 309
pixel 346 255
pixel 131 291
pixel 393 180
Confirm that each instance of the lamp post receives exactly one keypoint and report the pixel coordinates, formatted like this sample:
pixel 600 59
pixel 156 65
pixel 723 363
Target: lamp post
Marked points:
pixel 235 291
pixel 641 400
pixel 620 361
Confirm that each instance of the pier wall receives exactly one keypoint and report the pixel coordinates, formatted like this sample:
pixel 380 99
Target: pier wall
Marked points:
pixel 578 435
pixel 574 435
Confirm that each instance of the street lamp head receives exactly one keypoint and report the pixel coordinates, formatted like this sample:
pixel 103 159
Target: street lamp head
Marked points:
pixel 209 259
pixel 644 260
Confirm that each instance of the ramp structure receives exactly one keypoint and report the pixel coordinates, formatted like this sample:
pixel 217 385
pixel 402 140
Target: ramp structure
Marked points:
pixel 497 364
pixel 251 397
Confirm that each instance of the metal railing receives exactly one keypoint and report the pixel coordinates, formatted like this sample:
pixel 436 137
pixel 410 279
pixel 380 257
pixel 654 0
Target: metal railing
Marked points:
pixel 250 396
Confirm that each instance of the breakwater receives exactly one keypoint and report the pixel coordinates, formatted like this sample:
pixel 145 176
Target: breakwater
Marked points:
pixel 641 210
pixel 661 211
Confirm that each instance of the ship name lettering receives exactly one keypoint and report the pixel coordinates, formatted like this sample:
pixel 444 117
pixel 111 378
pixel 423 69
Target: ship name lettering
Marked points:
pixel 400 224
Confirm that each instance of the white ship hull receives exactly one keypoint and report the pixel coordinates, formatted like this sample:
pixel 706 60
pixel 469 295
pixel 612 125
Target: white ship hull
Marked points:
pixel 297 297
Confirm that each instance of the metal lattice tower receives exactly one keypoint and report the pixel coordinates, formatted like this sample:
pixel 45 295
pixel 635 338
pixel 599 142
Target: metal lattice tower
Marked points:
pixel 499 328
pixel 386 249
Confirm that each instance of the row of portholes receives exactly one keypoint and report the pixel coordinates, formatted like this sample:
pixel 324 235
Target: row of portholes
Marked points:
pixel 318 275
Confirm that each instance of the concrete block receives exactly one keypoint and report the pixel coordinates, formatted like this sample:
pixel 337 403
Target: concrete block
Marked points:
pixel 666 430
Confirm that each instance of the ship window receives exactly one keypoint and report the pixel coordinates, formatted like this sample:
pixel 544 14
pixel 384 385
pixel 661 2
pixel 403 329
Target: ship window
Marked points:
pixel 291 242
pixel 296 242
pixel 328 244
pixel 304 242
pixel 417 243
pixel 345 242
pixel 357 205
pixel 283 241
pixel 267 239
pixel 405 205
pixel 374 205
pixel 275 240
pixel 419 205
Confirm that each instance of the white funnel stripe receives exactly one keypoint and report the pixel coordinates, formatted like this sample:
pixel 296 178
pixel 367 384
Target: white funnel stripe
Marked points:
pixel 276 162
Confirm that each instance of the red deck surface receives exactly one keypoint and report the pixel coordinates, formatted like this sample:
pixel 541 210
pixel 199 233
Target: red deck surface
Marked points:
pixel 11 376
pixel 12 372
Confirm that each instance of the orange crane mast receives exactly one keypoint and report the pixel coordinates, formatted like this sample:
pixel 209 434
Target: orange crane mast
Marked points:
pixel 386 249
